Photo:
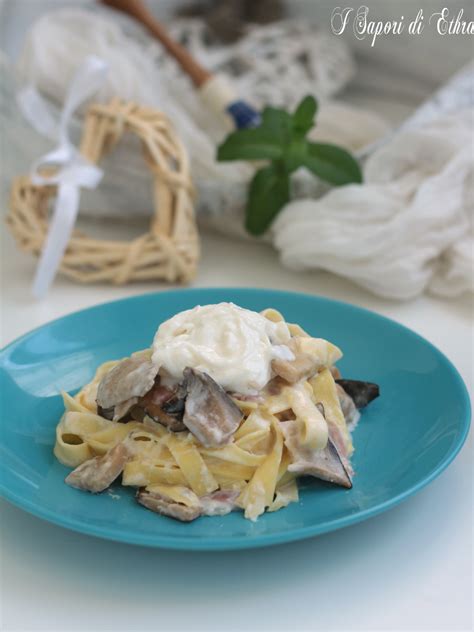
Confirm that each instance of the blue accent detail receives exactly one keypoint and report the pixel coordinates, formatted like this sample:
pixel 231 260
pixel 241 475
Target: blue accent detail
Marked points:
pixel 404 439
pixel 244 115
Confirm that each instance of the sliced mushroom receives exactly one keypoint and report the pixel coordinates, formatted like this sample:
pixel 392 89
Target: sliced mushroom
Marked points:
pixel 106 413
pixel 138 375
pixel 130 378
pixel 337 437
pixel 361 392
pixel 241 397
pixel 276 385
pixel 310 354
pixel 326 464
pixel 163 406
pixel 209 413
pixel 349 409
pixel 294 370
pixel 100 472
pixel 159 504
pixel 122 410
pixel 220 502
pixel 170 422
pixel 174 405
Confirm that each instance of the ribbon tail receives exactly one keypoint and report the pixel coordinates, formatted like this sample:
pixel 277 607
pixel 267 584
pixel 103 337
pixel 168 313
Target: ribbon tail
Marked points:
pixel 61 226
pixel 37 112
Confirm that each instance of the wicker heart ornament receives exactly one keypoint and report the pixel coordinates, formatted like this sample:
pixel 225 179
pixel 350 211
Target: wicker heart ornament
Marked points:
pixel 168 251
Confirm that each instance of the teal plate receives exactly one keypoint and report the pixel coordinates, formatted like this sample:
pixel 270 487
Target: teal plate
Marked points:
pixel 403 441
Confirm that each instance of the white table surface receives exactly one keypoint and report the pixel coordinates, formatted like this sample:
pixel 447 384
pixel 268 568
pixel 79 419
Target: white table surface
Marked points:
pixel 407 569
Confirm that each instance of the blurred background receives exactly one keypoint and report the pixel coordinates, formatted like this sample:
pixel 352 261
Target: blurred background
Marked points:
pixel 393 78
pixel 373 101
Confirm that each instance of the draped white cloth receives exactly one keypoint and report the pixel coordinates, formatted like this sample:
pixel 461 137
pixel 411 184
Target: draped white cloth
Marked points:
pixel 408 228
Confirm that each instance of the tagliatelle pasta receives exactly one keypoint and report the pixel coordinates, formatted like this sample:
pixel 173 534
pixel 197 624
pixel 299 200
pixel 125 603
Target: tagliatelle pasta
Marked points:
pixel 177 459
pixel 280 430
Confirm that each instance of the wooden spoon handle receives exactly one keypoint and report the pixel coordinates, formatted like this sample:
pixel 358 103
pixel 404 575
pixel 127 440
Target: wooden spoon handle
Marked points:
pixel 137 10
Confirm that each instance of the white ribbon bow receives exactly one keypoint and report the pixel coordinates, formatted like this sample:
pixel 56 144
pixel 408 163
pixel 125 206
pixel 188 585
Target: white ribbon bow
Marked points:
pixel 72 169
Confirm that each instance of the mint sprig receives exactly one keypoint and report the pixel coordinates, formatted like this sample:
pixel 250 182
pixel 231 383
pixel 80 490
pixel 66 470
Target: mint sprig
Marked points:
pixel 281 138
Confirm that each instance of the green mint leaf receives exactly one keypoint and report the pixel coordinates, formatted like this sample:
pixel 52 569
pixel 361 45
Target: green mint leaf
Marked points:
pixel 332 163
pixel 295 154
pixel 281 139
pixel 250 144
pixel 303 117
pixel 269 191
pixel 278 123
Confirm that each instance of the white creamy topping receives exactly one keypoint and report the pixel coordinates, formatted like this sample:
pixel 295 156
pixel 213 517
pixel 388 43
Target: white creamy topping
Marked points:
pixel 235 346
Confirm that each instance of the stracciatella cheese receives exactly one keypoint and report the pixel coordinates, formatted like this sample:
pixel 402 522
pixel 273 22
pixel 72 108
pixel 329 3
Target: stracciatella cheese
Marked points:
pixel 235 346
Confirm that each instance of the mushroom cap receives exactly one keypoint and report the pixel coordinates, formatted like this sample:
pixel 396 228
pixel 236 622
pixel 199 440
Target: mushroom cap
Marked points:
pixel 132 377
pixel 361 392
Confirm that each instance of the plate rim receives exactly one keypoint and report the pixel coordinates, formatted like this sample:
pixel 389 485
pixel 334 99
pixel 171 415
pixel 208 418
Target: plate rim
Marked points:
pixel 191 543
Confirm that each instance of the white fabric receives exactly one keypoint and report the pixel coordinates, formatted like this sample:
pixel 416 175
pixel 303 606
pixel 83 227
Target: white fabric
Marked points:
pixel 407 228
pixel 71 171
pixel 59 41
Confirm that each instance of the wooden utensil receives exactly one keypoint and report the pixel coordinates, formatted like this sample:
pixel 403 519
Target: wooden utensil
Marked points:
pixel 214 90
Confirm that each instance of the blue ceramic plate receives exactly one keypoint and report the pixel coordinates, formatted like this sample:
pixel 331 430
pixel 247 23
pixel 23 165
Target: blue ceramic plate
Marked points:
pixel 404 439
